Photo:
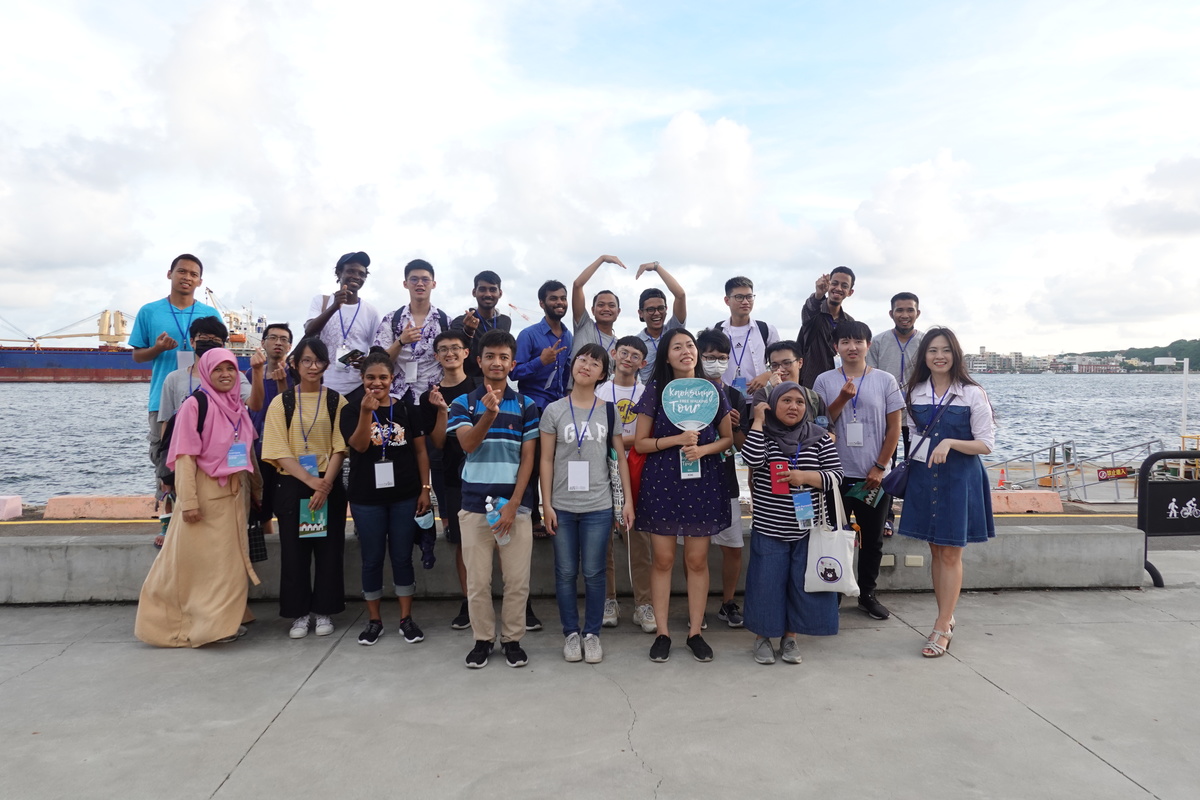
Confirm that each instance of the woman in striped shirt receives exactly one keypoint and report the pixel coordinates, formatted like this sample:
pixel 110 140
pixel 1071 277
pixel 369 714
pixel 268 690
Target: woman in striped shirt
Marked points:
pixel 804 456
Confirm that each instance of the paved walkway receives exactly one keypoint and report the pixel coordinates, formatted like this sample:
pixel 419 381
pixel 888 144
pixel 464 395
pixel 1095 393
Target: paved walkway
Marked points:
pixel 1081 694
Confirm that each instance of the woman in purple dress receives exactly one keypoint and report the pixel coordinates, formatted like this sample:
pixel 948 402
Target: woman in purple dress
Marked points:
pixel 670 506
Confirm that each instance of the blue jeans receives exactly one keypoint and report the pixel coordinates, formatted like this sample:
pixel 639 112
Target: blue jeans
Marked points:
pixel 581 537
pixel 387 528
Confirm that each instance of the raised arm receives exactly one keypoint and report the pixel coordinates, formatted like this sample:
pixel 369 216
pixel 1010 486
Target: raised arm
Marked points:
pixel 578 298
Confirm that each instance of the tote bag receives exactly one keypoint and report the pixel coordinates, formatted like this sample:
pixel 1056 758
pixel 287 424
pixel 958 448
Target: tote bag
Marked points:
pixel 831 554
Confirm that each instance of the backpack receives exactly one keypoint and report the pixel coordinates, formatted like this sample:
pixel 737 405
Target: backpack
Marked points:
pixel 165 474
pixel 442 319
pixel 763 329
pixel 289 406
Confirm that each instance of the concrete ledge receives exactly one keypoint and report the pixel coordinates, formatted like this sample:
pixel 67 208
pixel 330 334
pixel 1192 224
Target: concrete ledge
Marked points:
pixel 104 568
pixel 1030 557
pixel 1019 502
pixel 82 506
pixel 10 506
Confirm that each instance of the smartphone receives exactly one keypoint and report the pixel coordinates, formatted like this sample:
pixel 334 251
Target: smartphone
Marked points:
pixel 351 357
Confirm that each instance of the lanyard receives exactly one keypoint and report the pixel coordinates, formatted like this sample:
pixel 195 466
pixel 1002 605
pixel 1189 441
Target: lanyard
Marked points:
pixel 183 331
pixel 600 336
pixel 426 322
pixel 903 354
pixel 854 400
pixel 347 328
pixel 237 426
pixel 737 360
pixel 385 434
pixel 316 413
pixel 653 341
pixel 794 460
pixel 937 404
pixel 579 436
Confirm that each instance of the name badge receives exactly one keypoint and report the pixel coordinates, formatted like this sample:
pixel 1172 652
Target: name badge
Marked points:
pixel 854 434
pixel 308 462
pixel 688 470
pixel 803 505
pixel 238 456
pixel 410 372
pixel 184 358
pixel 385 475
pixel 740 384
pixel 780 474
pixel 577 476
pixel 921 452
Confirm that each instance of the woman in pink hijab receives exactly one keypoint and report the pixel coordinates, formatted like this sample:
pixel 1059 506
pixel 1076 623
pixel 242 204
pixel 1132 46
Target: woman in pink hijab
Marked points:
pixel 196 590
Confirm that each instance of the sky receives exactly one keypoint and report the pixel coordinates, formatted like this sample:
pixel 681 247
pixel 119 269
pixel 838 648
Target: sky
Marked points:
pixel 1031 170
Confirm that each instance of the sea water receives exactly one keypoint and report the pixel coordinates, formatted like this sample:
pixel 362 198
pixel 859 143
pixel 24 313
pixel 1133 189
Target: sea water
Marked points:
pixel 90 438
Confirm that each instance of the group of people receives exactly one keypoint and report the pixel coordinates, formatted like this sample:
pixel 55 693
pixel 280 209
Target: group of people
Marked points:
pixel 560 432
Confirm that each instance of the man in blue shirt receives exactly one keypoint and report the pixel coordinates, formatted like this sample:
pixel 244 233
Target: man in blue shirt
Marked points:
pixel 160 333
pixel 543 350
pixel 497 430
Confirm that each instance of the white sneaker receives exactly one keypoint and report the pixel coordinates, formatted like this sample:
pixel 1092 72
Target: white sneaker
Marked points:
pixel 299 627
pixel 324 626
pixel 612 613
pixel 592 653
pixel 572 649
pixel 644 615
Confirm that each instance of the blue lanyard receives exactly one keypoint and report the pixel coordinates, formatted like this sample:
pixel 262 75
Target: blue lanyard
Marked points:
pixel 346 330
pixel 745 346
pixel 600 336
pixel 385 434
pixel 316 413
pixel 903 353
pixel 183 331
pixel 579 436
pixel 937 404
pixel 854 400
pixel 237 426
pixel 795 460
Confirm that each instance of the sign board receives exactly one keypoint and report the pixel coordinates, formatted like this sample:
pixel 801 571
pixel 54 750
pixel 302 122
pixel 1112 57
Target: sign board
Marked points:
pixel 1112 473
pixel 691 403
pixel 1172 508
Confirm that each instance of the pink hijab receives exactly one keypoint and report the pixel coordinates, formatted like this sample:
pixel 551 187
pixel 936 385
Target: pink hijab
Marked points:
pixel 225 413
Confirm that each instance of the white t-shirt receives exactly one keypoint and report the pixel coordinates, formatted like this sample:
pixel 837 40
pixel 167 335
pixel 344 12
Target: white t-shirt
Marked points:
pixel 748 351
pixel 355 325
pixel 624 398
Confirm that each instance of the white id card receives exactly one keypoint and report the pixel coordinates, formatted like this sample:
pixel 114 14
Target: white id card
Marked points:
pixel 184 358
pixel 854 434
pixel 921 453
pixel 577 476
pixel 385 475
pixel 410 372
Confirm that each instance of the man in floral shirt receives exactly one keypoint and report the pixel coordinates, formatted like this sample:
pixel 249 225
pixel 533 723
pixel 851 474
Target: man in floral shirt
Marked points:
pixel 408 333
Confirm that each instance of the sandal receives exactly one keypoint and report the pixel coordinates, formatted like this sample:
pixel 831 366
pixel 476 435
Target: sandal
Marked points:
pixel 932 649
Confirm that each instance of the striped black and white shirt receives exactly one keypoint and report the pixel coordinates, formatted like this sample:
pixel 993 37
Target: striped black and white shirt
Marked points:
pixel 774 514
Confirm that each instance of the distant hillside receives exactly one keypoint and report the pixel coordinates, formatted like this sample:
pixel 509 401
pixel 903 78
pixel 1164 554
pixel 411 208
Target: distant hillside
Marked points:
pixel 1180 348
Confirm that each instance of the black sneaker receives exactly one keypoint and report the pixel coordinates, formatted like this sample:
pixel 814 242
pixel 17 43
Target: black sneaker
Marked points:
pixel 532 623
pixel 478 657
pixel 410 630
pixel 514 655
pixel 660 651
pixel 731 612
pixel 463 620
pixel 699 648
pixel 873 608
pixel 371 633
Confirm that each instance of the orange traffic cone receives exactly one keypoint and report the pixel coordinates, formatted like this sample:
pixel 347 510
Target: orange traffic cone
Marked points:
pixel 1003 476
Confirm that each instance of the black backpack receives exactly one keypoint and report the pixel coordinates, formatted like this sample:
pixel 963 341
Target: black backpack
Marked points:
pixel 763 329
pixel 165 474
pixel 442 319
pixel 289 406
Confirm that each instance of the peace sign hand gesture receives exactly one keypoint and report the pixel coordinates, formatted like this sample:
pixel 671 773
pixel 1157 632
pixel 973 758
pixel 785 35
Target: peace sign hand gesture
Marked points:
pixel 550 353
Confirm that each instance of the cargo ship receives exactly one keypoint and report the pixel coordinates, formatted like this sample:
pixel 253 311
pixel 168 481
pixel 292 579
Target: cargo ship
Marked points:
pixel 111 361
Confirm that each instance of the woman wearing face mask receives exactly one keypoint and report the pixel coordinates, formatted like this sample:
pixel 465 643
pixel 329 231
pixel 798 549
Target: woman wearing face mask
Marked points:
pixel 307 448
pixel 668 505
pixel 389 487
pixel 196 590
pixel 789 458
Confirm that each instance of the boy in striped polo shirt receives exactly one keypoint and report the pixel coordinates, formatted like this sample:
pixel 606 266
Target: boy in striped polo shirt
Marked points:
pixel 498 430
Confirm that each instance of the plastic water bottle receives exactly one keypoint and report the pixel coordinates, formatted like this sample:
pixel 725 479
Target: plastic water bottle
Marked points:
pixel 493 506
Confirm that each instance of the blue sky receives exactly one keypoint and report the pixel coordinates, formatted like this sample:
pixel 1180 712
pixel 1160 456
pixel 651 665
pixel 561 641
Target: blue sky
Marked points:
pixel 1030 169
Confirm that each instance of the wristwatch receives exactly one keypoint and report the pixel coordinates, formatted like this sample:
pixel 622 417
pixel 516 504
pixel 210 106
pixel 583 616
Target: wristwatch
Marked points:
pixel 880 467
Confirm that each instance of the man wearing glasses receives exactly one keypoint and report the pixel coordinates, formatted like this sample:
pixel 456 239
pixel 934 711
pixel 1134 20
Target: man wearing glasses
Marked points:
pixel 408 334
pixel 345 323
pixel 652 310
pixel 275 378
pixel 748 339
pixel 783 364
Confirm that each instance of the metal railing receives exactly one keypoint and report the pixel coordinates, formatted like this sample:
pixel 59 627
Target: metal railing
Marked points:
pixel 1131 458
pixel 1042 465
pixel 1043 469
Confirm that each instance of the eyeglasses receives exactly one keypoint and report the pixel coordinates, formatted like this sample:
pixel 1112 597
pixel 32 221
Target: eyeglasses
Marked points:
pixel 311 362
pixel 654 310
pixel 714 359
pixel 416 279
pixel 274 338
pixel 778 365
pixel 445 351
pixel 208 339
pixel 741 298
